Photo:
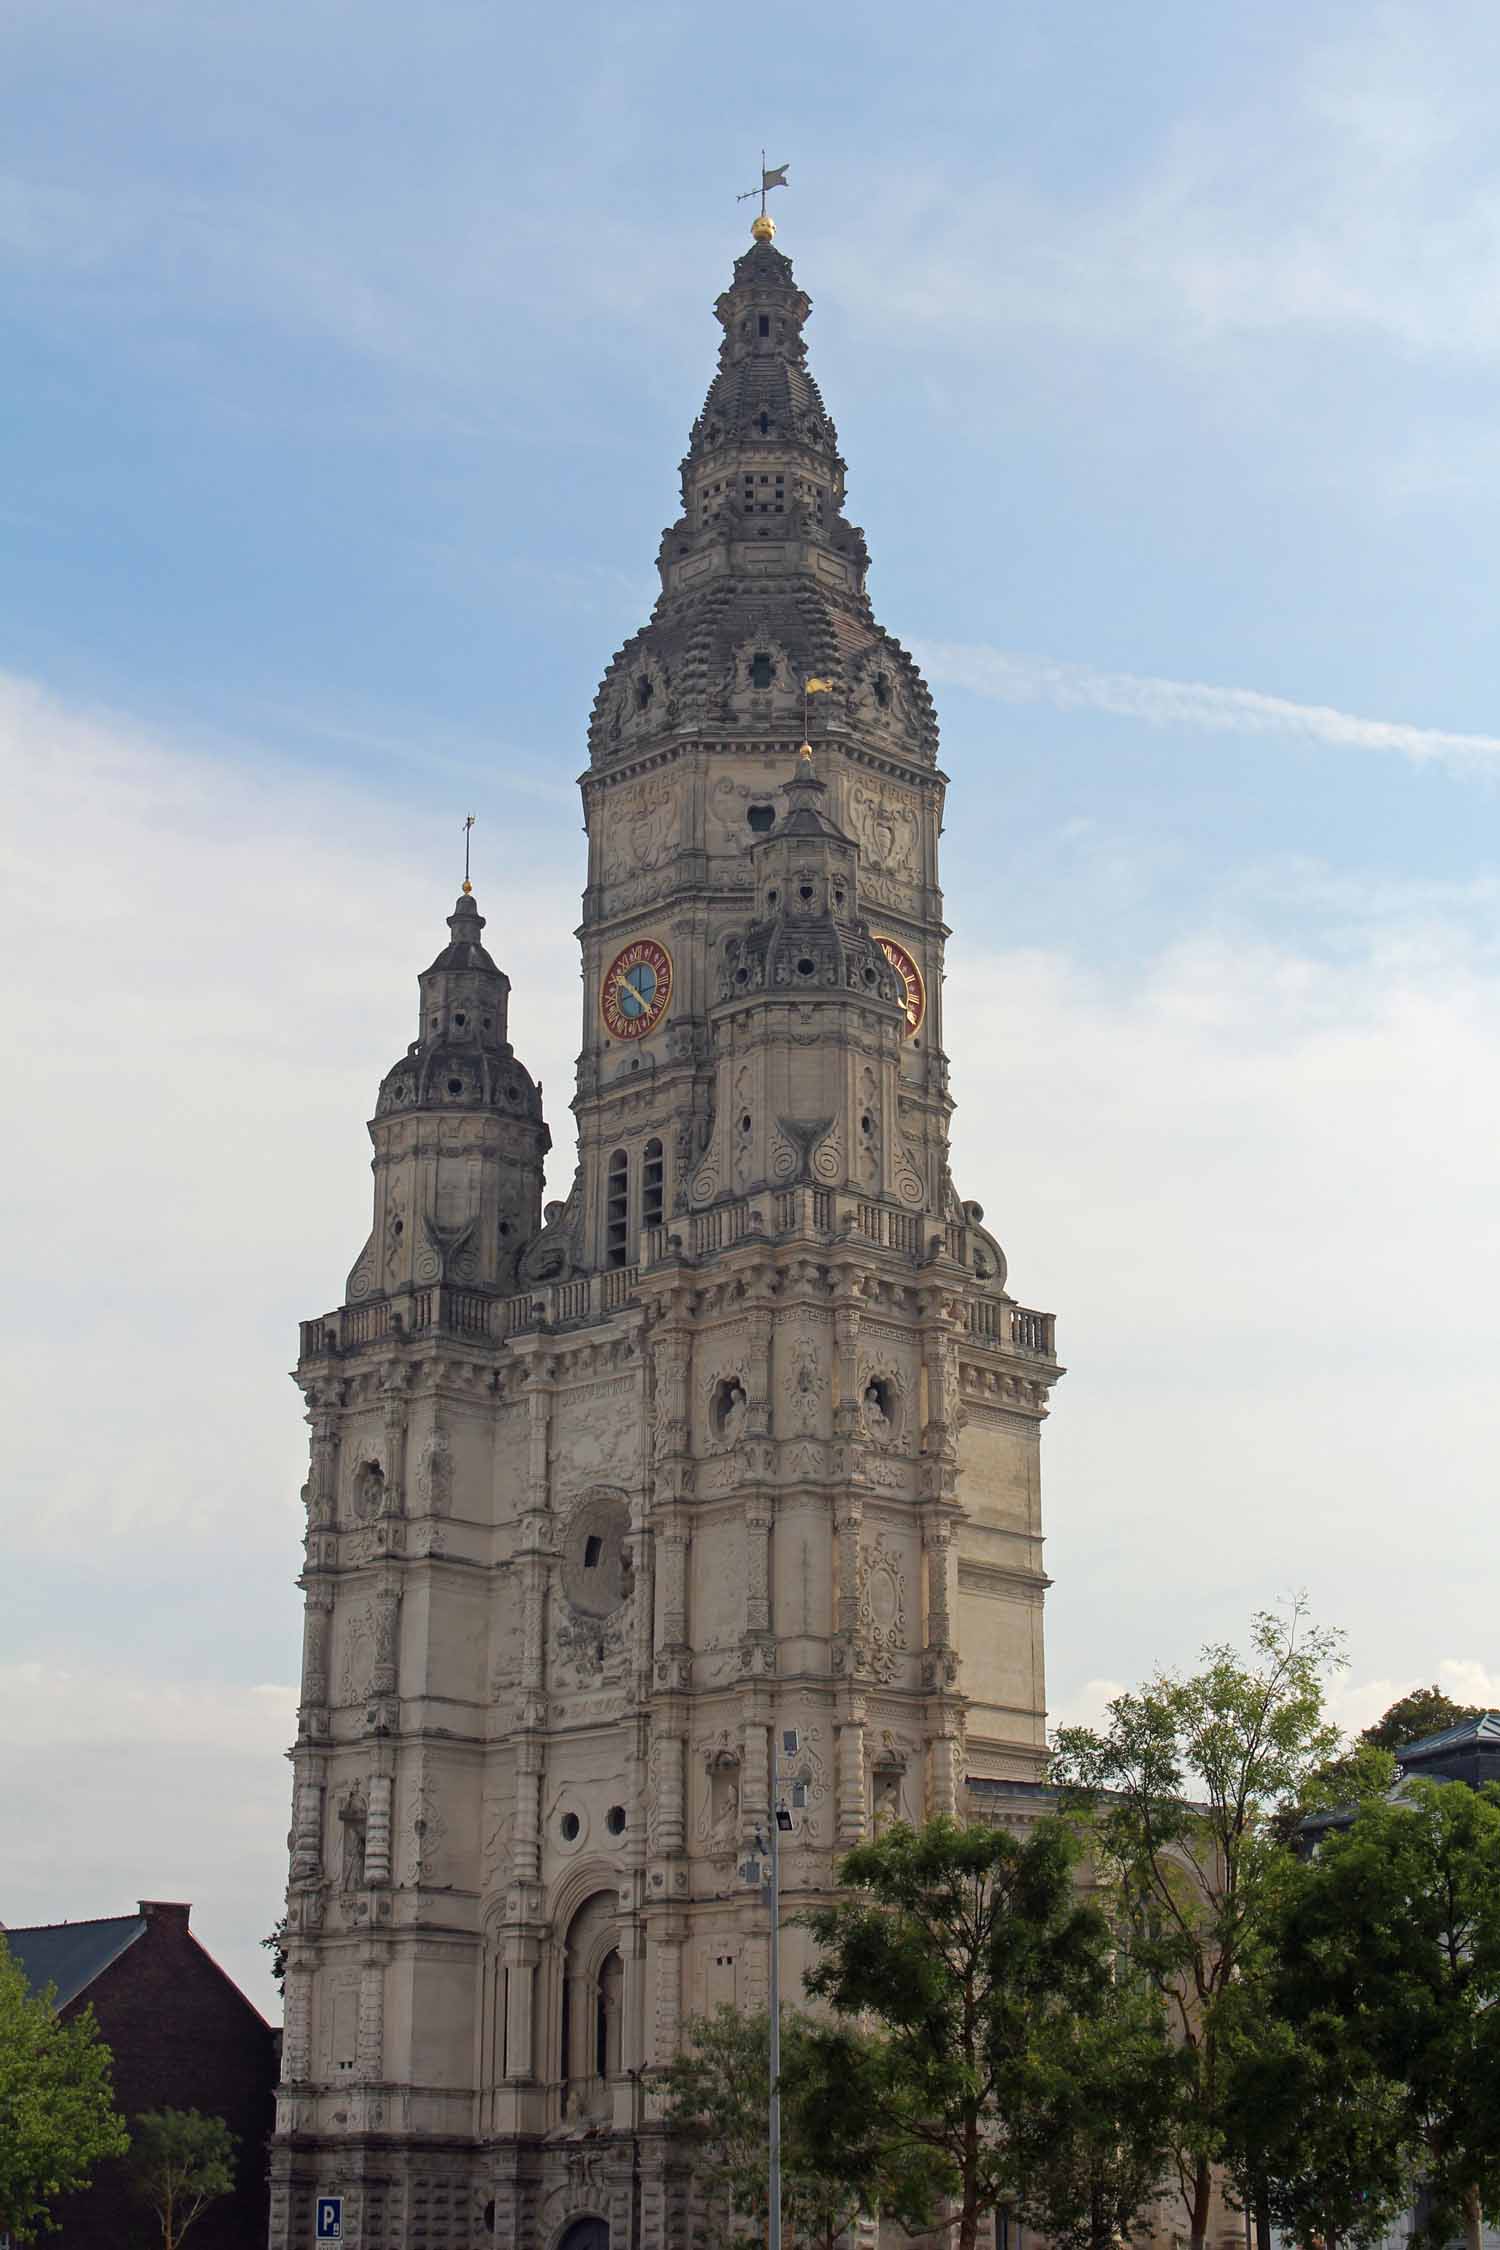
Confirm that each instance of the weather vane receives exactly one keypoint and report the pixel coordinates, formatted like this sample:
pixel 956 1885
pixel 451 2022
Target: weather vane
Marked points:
pixel 468 824
pixel 764 227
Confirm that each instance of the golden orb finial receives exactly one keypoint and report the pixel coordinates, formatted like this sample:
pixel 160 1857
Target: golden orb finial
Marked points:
pixel 468 890
pixel 762 228
pixel 805 754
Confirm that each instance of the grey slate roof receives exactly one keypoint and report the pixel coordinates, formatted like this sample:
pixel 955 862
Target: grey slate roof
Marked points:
pixel 70 1955
pixel 1485 1730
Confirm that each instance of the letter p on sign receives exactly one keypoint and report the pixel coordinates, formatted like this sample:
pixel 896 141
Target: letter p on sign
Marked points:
pixel 330 2218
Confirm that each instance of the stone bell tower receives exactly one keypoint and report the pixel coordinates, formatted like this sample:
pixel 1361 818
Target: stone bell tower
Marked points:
pixel 744 1434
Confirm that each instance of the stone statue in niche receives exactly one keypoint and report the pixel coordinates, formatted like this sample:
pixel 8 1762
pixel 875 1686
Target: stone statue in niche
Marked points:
pixel 729 1407
pixel 887 1796
pixel 353 1821
pixel 369 1490
pixel 875 1411
pixel 724 1807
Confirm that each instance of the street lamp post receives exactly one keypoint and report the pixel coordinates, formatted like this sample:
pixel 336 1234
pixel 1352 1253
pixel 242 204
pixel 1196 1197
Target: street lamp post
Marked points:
pixel 786 1741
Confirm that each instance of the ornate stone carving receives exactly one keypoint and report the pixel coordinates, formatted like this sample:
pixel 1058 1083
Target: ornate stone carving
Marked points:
pixel 434 1480
pixel 806 1387
pixel 882 1608
pixel 887 828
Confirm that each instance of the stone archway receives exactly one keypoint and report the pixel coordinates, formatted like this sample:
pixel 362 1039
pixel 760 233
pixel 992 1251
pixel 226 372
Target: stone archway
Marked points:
pixel 586 2234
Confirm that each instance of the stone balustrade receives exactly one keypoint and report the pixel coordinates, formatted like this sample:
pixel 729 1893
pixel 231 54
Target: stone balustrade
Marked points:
pixel 821 1215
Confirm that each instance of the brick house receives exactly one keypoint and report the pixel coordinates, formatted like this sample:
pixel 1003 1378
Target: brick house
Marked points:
pixel 183 2036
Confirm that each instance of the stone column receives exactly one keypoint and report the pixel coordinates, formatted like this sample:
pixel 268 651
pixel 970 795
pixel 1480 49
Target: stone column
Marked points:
pixel 307 1821
pixel 316 1624
pixel 667 2029
pixel 521 1957
pixel 378 1830
pixel 666 1809
pixel 370 2064
pixel 755 1772
pixel 296 2037
pixel 671 1588
pixel 758 1562
pixel 393 1409
pixel 526 1851
pixel 937 1547
pixel 321 1490
pixel 851 1804
pixel 848 1517
pixel 384 1671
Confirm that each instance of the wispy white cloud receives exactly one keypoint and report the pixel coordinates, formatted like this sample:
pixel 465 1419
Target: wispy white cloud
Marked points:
pixel 1008 677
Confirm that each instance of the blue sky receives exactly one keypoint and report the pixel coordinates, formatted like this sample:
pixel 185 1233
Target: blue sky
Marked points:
pixel 348 356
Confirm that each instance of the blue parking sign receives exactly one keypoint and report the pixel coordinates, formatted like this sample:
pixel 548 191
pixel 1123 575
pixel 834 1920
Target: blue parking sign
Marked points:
pixel 330 2218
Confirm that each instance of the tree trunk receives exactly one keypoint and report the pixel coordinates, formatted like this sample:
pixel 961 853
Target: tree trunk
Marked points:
pixel 1262 2216
pixel 1473 2220
pixel 1203 2191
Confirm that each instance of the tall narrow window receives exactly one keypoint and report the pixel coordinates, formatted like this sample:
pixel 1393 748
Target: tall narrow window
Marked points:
pixel 617 1211
pixel 607 2016
pixel 653 1178
pixel 760 670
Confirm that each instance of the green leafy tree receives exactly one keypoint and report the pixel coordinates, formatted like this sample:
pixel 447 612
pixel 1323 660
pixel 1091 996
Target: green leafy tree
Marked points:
pixel 959 1949
pixel 57 2113
pixel 180 2162
pixel 1397 1929
pixel 1411 1718
pixel 274 1943
pixel 717 2091
pixel 1181 1788
pixel 1316 2141
pixel 1367 1767
pixel 1091 2140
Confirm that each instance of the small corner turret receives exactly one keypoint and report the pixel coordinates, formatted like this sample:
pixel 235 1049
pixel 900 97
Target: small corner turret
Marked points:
pixel 459 1135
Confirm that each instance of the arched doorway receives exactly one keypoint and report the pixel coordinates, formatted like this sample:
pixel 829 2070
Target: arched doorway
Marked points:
pixel 586 2234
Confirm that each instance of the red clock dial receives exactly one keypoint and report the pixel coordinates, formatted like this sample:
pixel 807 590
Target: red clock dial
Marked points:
pixel 911 977
pixel 637 989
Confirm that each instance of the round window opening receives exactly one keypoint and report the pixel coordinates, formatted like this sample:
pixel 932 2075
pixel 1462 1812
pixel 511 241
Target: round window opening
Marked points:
pixel 614 1820
pixel 806 965
pixel 455 1085
pixel 569 1825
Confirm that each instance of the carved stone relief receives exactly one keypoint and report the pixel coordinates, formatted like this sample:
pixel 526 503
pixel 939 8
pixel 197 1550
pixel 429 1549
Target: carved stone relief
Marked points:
pixel 806 1387
pixel 357 1635
pixel 882 1608
pixel 434 1477
pixel 642 827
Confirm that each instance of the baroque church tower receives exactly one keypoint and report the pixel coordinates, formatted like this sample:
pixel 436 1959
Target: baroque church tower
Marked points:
pixel 743 1435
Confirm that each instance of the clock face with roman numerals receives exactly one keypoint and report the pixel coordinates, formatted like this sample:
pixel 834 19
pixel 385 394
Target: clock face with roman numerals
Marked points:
pixel 637 989
pixel 911 978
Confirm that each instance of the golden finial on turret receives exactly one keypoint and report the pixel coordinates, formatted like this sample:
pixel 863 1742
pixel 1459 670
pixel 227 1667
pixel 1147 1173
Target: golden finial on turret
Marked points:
pixel 468 824
pixel 804 755
pixel 763 228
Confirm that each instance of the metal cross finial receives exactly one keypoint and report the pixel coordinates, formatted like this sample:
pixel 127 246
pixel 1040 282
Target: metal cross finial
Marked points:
pixel 468 824
pixel 776 177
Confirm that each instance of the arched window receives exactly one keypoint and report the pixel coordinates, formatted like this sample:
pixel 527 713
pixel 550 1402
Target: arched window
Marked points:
pixel 617 1211
pixel 607 1995
pixel 592 1992
pixel 653 1182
